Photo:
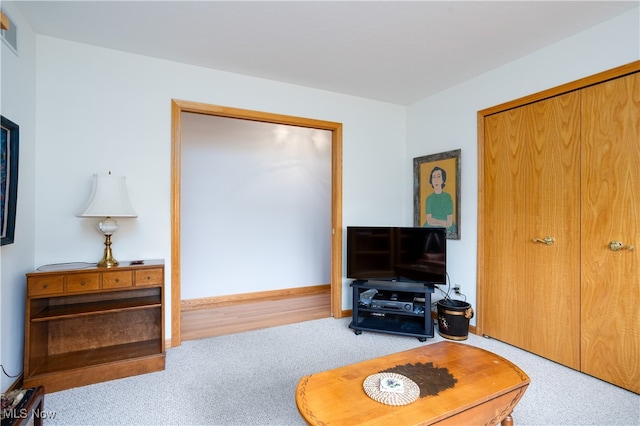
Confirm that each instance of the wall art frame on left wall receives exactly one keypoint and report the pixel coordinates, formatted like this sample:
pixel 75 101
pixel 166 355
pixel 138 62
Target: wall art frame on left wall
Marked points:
pixel 9 138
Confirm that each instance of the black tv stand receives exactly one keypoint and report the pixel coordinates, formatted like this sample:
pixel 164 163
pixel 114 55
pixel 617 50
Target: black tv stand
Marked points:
pixel 398 307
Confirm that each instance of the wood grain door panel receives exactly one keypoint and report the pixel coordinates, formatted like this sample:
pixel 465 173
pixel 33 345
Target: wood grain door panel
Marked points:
pixel 504 227
pixel 564 163
pixel 532 190
pixel 611 211
pixel 553 210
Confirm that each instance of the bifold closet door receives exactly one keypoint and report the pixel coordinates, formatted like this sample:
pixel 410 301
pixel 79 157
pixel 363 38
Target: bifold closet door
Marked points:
pixel 531 270
pixel 611 212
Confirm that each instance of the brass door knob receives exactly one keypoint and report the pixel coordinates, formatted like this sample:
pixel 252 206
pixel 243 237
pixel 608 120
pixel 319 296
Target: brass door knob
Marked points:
pixel 619 245
pixel 546 240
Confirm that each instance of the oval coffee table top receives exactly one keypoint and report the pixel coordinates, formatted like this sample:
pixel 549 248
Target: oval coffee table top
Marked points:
pixel 459 383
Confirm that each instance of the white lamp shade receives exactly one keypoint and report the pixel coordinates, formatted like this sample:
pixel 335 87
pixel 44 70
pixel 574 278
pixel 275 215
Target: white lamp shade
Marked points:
pixel 108 198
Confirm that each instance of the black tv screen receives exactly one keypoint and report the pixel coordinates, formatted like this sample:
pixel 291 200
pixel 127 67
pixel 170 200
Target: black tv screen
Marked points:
pixel 397 253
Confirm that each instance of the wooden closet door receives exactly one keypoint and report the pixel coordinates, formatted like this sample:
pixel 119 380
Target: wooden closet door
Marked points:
pixel 503 274
pixel 532 190
pixel 553 210
pixel 611 211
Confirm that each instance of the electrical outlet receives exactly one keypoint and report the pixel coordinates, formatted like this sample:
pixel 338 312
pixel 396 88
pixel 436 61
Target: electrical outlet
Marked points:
pixel 456 288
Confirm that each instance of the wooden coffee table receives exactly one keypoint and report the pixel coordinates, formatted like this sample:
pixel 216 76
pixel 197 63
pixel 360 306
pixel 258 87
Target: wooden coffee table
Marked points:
pixel 467 385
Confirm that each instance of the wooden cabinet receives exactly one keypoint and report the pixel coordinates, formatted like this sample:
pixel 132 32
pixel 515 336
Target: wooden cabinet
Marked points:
pixel 560 180
pixel 88 325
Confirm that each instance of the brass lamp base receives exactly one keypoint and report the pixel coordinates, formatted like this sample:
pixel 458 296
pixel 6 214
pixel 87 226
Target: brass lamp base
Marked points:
pixel 107 261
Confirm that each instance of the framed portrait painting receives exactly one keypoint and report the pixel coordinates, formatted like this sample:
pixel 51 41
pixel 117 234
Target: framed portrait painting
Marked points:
pixel 436 192
pixel 9 133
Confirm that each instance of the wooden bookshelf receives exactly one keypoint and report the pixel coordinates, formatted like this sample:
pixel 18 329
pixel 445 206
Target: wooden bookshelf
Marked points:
pixel 87 324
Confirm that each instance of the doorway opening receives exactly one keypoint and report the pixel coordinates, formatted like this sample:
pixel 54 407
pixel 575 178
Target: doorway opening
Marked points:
pixel 178 107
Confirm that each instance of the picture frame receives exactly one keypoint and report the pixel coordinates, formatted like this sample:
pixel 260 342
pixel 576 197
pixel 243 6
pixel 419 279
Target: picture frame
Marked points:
pixel 444 202
pixel 9 145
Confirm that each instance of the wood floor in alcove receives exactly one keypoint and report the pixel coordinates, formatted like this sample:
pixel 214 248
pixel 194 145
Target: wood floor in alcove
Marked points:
pixel 209 322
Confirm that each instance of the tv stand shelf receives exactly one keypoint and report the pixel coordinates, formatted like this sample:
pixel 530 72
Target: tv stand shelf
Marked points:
pixel 88 325
pixel 398 307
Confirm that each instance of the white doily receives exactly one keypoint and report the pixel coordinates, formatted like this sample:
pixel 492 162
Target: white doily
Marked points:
pixel 372 389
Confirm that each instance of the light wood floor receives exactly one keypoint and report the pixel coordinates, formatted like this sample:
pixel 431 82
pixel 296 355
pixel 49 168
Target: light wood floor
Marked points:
pixel 239 317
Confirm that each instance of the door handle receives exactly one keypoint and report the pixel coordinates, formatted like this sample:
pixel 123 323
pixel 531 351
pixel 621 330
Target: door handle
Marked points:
pixel 618 245
pixel 546 240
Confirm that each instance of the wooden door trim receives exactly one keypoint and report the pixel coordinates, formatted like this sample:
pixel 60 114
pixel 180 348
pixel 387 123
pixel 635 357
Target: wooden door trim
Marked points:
pixel 620 71
pixel 180 106
pixel 601 77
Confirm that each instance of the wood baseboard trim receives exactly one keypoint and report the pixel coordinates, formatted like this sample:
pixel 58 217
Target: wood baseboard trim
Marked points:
pixel 216 316
pixel 192 305
pixel 260 296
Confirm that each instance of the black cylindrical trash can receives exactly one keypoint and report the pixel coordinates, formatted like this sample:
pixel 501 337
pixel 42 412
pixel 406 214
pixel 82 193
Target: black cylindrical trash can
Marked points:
pixel 453 319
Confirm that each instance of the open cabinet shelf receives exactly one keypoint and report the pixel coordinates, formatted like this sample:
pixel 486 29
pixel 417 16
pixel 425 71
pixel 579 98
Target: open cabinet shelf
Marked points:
pixel 90 325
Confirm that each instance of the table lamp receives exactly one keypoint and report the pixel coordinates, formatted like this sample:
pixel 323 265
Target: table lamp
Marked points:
pixel 109 199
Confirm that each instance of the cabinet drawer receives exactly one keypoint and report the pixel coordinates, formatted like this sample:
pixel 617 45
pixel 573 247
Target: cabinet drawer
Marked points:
pixel 38 286
pixel 117 279
pixel 83 282
pixel 149 277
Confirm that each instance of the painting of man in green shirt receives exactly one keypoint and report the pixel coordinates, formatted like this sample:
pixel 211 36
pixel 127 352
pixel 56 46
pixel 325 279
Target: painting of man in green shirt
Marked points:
pixel 439 204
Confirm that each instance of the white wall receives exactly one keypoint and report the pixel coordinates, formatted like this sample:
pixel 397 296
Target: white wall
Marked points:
pixel 255 206
pixel 448 120
pixel 101 110
pixel 17 94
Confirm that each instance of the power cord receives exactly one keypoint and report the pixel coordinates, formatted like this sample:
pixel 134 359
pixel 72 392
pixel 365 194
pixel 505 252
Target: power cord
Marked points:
pixel 7 374
pixel 446 295
pixel 463 295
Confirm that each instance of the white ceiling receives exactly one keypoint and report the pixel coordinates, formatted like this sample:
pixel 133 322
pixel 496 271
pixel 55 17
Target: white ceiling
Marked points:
pixel 393 51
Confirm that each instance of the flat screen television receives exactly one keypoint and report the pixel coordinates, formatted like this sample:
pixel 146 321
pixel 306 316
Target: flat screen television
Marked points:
pixel 397 253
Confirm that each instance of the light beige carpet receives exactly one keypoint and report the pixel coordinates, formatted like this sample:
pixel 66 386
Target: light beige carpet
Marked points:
pixel 250 379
